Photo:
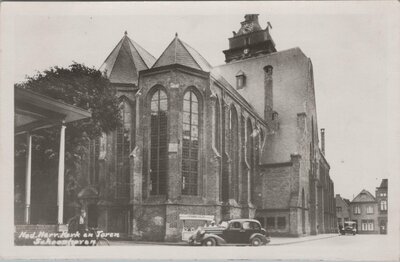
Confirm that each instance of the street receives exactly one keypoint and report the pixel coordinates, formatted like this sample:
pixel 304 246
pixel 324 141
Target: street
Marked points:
pixel 332 247
pixel 322 247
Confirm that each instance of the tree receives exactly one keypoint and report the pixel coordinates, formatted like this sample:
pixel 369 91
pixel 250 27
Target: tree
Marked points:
pixel 80 86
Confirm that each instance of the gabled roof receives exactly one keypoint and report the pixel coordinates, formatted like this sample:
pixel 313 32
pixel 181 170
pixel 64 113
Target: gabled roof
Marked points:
pixel 126 60
pixel 178 52
pixel 364 196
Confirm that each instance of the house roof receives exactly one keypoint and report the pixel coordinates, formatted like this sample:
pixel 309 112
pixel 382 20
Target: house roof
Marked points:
pixel 364 196
pixel 126 60
pixel 384 183
pixel 178 52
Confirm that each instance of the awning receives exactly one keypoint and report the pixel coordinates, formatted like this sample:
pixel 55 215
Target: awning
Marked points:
pixel 34 111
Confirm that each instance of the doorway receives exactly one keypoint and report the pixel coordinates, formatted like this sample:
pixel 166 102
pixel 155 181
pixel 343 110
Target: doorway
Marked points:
pixel 92 215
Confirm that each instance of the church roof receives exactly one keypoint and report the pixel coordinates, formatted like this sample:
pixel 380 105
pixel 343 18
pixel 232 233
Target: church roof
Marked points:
pixel 126 60
pixel 178 52
pixel 364 196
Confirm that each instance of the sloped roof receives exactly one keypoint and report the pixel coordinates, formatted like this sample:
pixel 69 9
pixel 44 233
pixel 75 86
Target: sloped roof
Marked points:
pixel 364 196
pixel 384 183
pixel 178 52
pixel 126 60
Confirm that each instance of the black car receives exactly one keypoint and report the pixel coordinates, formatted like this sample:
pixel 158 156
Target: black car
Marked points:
pixel 236 231
pixel 350 227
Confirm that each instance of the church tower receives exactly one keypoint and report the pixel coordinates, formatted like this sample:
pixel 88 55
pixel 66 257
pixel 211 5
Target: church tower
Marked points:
pixel 251 40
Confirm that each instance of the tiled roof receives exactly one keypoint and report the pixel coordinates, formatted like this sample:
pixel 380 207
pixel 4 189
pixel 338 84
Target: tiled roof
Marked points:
pixel 364 196
pixel 178 52
pixel 126 60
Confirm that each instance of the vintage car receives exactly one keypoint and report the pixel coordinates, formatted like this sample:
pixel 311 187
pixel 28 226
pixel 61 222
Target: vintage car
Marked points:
pixel 350 227
pixel 236 231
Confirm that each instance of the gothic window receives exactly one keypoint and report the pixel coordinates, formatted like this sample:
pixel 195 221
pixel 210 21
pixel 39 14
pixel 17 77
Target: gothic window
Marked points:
pixel 244 181
pixel 158 143
pixel 123 150
pixel 250 155
pixel 217 129
pixel 94 149
pixel 190 146
pixel 234 149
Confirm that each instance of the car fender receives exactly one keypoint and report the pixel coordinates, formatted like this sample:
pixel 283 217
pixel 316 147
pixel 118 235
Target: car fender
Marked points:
pixel 263 238
pixel 218 239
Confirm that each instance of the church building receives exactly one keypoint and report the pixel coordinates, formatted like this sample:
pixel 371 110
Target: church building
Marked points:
pixel 239 140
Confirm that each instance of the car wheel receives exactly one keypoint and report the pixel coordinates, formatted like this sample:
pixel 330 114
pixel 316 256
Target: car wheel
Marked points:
pixel 256 241
pixel 209 242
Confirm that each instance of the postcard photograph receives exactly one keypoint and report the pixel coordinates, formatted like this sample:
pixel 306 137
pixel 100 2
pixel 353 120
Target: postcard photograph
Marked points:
pixel 200 130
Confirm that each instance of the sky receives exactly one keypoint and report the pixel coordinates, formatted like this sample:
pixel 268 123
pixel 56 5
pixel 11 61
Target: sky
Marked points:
pixel 353 47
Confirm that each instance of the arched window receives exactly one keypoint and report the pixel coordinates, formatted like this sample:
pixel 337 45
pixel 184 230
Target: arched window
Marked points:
pixel 123 149
pixel 217 129
pixel 234 149
pixel 244 179
pixel 158 143
pixel 190 146
pixel 250 156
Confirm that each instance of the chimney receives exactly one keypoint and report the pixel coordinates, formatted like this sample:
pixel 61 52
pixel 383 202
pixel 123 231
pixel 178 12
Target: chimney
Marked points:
pixel 323 140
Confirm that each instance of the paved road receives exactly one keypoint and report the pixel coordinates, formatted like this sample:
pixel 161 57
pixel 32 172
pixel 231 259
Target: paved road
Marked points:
pixel 358 248
pixel 354 248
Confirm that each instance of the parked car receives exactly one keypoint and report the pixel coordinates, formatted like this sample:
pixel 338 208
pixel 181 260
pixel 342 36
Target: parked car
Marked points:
pixel 350 227
pixel 236 231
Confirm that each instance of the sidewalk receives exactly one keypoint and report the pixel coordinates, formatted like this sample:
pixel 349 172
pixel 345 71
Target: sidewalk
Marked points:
pixel 275 241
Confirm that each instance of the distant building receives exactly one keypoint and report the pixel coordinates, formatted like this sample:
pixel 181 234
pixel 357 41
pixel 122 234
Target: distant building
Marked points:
pixel 369 212
pixel 381 194
pixel 364 211
pixel 342 210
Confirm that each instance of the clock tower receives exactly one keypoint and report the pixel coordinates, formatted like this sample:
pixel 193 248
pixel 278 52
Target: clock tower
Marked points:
pixel 251 40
